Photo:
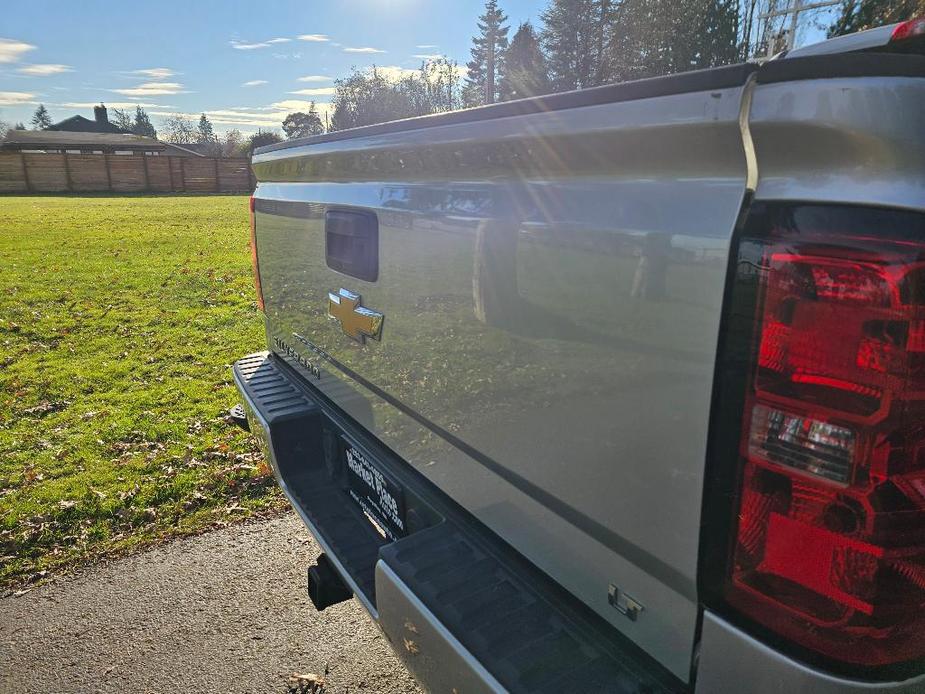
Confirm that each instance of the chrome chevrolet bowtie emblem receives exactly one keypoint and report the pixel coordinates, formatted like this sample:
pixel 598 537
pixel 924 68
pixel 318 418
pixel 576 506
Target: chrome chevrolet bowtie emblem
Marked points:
pixel 357 321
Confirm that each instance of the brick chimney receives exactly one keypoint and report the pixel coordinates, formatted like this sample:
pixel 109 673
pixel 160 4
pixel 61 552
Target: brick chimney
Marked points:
pixel 100 114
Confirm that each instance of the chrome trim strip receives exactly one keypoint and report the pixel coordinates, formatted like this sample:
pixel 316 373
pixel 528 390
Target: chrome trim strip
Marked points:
pixel 751 161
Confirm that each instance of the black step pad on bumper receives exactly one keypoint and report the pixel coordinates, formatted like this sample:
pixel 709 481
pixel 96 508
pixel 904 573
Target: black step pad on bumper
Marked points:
pixel 270 392
pixel 519 629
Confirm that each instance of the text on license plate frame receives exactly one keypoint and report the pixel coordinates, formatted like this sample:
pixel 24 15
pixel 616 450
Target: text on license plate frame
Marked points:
pixel 376 493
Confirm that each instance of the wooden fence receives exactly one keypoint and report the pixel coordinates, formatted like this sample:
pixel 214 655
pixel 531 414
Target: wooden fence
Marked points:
pixel 86 173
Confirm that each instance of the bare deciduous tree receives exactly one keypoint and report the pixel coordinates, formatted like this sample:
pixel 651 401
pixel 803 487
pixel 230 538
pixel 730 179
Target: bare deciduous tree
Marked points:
pixel 179 130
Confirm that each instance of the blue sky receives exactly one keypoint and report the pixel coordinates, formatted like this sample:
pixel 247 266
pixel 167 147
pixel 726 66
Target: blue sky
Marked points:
pixel 245 63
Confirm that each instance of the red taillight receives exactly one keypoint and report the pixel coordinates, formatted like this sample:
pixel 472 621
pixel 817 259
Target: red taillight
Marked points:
pixel 828 538
pixel 910 29
pixel 254 262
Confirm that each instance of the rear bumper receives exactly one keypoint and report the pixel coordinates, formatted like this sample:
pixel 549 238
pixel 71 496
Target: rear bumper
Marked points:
pixel 729 655
pixel 462 609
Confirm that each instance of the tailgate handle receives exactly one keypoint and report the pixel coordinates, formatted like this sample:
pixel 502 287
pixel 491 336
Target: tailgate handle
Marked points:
pixel 351 243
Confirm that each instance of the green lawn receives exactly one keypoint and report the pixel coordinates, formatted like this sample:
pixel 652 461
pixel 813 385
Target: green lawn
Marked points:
pixel 119 319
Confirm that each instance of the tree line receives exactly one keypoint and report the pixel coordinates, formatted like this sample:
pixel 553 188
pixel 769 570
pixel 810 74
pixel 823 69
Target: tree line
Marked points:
pixel 578 44
pixel 587 43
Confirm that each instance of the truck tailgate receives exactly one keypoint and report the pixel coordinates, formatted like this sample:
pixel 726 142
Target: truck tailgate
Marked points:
pixel 550 286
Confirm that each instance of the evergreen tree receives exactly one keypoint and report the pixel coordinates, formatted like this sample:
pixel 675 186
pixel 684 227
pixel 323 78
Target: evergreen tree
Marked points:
pixel 206 134
pixel 573 33
pixel 486 68
pixel 637 49
pixel 659 37
pixel 858 15
pixel 40 119
pixel 524 66
pixel 142 125
pixel 316 127
pixel 603 31
pixel 715 42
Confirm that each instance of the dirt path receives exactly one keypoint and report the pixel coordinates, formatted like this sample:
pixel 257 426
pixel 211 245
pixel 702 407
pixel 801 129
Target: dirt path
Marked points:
pixel 222 612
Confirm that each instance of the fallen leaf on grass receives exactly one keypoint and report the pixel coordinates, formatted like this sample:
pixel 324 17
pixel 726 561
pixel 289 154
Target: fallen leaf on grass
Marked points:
pixel 30 475
pixel 125 496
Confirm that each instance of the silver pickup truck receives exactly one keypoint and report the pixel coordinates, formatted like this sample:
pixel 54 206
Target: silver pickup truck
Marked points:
pixel 617 390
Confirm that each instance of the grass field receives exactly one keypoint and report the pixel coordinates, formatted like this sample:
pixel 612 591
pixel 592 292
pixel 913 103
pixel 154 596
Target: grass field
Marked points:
pixel 119 319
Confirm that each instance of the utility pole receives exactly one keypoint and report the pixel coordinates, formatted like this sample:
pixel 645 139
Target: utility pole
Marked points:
pixel 793 9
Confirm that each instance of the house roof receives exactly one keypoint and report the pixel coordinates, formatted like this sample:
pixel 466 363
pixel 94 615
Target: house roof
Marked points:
pixel 186 150
pixel 61 139
pixel 85 125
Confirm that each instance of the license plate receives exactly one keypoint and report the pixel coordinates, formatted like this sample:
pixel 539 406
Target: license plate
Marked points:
pixel 380 497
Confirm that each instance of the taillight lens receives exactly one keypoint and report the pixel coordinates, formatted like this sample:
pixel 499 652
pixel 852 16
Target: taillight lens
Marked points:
pixel 828 535
pixel 909 29
pixel 254 263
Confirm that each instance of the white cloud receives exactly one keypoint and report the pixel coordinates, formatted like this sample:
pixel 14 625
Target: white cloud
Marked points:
pixel 109 104
pixel 16 98
pixel 279 40
pixel 316 78
pixel 364 49
pixel 427 56
pixel 315 38
pixel 292 105
pixel 426 45
pixel 155 73
pixel 151 89
pixel 12 50
pixel 44 69
pixel 316 91
pixel 394 72
pixel 270 116
pixel 254 83
pixel 242 46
